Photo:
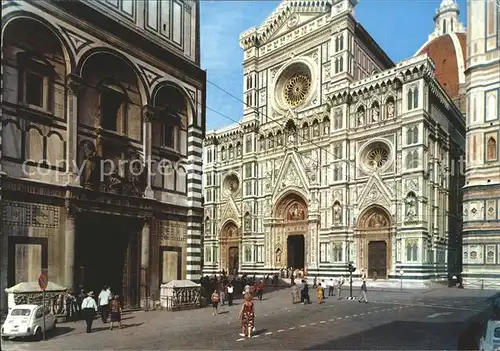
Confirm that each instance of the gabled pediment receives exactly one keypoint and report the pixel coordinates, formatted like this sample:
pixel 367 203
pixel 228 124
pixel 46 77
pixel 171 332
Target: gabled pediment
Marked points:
pixel 289 15
pixel 291 175
pixel 375 192
pixel 230 212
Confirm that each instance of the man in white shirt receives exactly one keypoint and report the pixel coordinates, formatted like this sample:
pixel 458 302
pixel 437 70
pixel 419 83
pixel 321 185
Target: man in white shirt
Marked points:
pixel 230 291
pixel 104 297
pixel 331 285
pixel 89 307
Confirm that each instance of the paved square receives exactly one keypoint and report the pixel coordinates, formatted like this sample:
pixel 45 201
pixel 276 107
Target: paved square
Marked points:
pixel 391 320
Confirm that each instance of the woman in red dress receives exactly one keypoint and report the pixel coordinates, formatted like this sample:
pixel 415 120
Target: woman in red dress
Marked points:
pixel 247 316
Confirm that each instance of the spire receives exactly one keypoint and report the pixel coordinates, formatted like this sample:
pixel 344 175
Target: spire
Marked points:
pixel 446 19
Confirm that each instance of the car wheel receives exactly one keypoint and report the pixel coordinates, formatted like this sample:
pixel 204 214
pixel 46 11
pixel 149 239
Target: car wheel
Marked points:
pixel 5 338
pixel 39 334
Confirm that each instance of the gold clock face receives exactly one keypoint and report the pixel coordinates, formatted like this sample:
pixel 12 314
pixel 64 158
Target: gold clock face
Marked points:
pixel 296 89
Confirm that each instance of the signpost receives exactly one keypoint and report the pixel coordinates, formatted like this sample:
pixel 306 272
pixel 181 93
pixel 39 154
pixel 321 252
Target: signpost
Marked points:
pixel 401 272
pixel 43 281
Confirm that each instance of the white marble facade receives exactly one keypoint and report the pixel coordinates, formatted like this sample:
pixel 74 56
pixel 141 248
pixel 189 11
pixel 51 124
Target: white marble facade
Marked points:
pixel 338 145
pixel 481 239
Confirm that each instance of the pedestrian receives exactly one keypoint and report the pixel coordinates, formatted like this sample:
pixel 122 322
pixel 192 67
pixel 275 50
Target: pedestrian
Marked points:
pixel 89 308
pixel 340 283
pixel 215 301
pixel 320 294
pixel 331 287
pixel 115 308
pixel 295 293
pixel 79 299
pixel 222 294
pixel 247 316
pixel 71 307
pixel 362 295
pixel 230 292
pixel 260 289
pixel 315 282
pixel 323 285
pixel 305 293
pixel 104 297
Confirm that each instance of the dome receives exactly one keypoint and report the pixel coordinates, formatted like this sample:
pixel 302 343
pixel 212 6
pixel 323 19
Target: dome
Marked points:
pixel 448 54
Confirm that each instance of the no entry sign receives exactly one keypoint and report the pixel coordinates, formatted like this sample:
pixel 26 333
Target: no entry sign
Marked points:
pixel 43 281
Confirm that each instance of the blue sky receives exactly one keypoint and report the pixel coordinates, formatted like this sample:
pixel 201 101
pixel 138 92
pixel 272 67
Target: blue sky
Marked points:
pixel 400 27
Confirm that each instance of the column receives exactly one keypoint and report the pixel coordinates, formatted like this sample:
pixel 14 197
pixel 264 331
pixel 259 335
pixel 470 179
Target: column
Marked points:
pixel 149 114
pixel 69 245
pixel 73 83
pixel 145 262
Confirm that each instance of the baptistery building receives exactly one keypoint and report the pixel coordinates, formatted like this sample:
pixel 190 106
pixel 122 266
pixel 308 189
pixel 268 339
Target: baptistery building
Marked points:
pixel 341 156
pixel 95 95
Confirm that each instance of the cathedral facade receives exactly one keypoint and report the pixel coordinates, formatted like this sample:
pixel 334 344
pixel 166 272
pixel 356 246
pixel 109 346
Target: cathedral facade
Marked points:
pixel 481 239
pixel 341 156
pixel 101 158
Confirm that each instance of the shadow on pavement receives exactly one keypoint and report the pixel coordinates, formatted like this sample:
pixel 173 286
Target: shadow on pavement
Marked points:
pixel 412 335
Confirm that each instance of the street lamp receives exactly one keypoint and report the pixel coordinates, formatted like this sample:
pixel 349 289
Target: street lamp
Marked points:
pixel 401 273
pixel 351 270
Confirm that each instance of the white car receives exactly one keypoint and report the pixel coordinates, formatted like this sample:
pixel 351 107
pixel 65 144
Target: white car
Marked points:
pixel 27 320
pixel 490 337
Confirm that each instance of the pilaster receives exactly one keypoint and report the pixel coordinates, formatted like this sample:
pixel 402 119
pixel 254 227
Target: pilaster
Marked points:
pixel 145 240
pixel 70 243
pixel 148 115
pixel 74 85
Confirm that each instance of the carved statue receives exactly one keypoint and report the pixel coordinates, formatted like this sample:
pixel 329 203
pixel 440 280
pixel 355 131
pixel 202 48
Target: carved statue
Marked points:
pixel 279 140
pixel 278 255
pixel 262 144
pixel 291 139
pixel 411 206
pixel 305 132
pixel 327 128
pixel 337 213
pixel 271 142
pixel 90 166
pixel 248 223
pixel 361 117
pixel 136 180
pixel 375 114
pixel 390 109
pixel 238 150
pixel 315 130
pixel 208 227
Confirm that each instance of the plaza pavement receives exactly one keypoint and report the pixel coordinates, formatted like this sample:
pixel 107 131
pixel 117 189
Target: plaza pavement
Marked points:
pixel 416 319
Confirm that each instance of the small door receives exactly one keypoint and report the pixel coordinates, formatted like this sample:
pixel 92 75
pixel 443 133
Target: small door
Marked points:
pixel 377 259
pixel 233 258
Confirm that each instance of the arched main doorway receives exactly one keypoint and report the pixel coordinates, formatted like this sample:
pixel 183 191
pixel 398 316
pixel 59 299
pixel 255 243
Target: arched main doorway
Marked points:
pixel 373 242
pixel 291 232
pixel 229 246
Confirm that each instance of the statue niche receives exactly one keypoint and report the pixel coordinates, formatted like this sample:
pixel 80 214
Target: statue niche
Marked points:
pixel 292 208
pixel 230 232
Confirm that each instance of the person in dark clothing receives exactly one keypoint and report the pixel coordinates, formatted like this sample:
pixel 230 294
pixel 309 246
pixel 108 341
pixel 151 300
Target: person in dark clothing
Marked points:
pixel 304 293
pixel 260 289
pixel 71 307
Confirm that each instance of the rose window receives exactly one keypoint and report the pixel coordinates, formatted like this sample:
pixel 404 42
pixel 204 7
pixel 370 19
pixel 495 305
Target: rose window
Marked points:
pixel 231 184
pixel 296 89
pixel 377 158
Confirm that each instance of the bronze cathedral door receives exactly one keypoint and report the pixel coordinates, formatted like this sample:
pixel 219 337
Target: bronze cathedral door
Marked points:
pixel 377 259
pixel 233 255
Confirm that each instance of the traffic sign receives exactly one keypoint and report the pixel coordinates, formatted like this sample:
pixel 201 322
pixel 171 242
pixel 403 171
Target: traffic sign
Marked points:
pixel 43 281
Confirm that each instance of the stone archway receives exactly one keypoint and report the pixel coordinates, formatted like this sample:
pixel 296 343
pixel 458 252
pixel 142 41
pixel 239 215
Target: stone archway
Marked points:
pixel 229 243
pixel 291 232
pixel 373 242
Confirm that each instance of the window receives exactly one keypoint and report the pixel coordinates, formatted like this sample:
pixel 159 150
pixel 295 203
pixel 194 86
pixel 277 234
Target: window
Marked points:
pixel 412 135
pixel 113 107
pixel 208 195
pixel 444 26
pixel 248 253
pixel 410 99
pixel 337 151
pixel 491 149
pixel 248 143
pixel 249 82
pixel 248 170
pixel 337 173
pixel 341 64
pixel 259 257
pixel 337 253
pixel 248 187
pixel 34 89
pixel 231 152
pixel 177 22
pixel 341 43
pixel 412 160
pixel 223 153
pixel 411 251
pixel 323 249
pixel 415 97
pixel 152 14
pixel 167 136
